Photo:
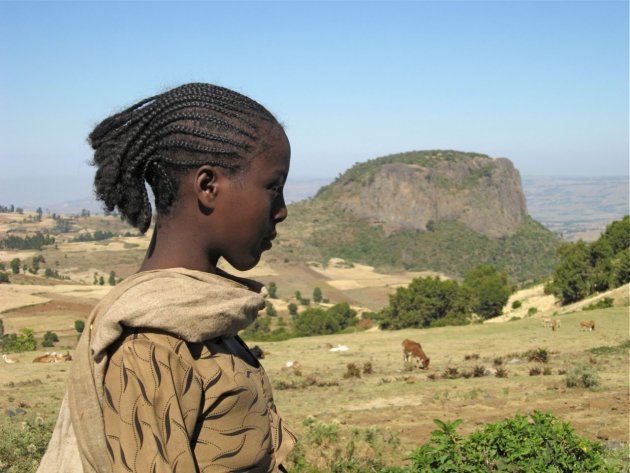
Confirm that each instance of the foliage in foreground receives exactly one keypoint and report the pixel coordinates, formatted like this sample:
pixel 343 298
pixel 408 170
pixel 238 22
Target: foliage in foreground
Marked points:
pixel 535 443
pixel 23 442
pixel 522 444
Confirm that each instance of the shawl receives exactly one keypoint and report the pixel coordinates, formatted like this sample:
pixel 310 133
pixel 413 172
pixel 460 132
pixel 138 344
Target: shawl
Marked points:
pixel 193 305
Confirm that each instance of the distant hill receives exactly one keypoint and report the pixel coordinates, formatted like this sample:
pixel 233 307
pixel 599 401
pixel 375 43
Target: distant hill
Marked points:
pixel 437 210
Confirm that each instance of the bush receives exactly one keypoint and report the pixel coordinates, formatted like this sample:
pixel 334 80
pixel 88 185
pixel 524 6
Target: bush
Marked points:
pixel 603 303
pixel 4 277
pixel 490 288
pixel 535 443
pixel 50 338
pixel 516 304
pixel 13 343
pixel 79 325
pixel 531 311
pixel 425 302
pixel 540 355
pixel 582 376
pixel 23 443
pixel 329 448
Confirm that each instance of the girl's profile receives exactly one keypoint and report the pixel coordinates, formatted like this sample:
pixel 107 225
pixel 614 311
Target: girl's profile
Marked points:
pixel 160 381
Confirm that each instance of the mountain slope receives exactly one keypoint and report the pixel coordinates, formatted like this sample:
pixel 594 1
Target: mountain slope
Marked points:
pixel 444 211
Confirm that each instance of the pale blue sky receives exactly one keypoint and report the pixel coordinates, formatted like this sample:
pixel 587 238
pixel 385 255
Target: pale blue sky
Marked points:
pixel 543 83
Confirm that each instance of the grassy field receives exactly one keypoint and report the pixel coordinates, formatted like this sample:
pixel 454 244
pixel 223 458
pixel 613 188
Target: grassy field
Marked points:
pixel 397 399
pixel 403 402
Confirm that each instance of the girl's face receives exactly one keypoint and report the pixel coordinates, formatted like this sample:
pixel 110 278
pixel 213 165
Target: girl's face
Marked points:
pixel 251 205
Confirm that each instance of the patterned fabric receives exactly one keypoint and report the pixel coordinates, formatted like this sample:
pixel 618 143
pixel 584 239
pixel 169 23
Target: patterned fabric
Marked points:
pixel 173 406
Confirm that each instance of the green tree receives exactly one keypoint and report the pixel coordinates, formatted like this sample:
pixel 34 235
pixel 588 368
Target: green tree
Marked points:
pixel 292 309
pixel 112 278
pixel 270 309
pixel 101 281
pixel 315 321
pixel 4 277
pixel 272 289
pixel 317 295
pixel 425 302
pixel 18 343
pixel 15 265
pixel 39 213
pixel 79 325
pixel 344 315
pixel 490 289
pixel 50 338
pixel 571 278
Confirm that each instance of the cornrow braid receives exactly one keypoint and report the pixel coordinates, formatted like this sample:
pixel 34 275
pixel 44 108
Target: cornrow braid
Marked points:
pixel 154 139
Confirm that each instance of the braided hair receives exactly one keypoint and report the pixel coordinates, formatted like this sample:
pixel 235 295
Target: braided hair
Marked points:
pixel 159 137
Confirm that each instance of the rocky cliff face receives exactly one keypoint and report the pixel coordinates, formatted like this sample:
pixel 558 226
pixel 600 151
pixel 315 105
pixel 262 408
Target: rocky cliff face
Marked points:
pixel 412 190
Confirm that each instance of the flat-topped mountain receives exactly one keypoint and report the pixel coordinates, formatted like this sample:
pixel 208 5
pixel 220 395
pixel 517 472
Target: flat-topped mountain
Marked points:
pixel 438 210
pixel 411 191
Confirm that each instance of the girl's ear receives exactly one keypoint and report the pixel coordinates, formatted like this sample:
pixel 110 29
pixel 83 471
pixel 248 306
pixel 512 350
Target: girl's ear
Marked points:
pixel 206 185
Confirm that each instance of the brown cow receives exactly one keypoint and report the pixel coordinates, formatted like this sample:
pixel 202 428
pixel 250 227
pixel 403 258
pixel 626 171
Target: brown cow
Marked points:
pixel 52 358
pixel 555 324
pixel 413 350
pixel 587 325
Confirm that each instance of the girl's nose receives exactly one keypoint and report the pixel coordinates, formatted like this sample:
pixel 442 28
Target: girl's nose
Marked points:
pixel 281 211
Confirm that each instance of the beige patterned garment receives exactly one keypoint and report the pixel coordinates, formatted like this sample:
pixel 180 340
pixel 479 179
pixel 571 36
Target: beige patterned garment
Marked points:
pixel 173 406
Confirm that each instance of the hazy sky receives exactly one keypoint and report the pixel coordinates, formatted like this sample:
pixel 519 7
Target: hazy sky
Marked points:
pixel 543 83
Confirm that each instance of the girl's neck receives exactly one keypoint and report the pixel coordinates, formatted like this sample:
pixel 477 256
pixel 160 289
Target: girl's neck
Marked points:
pixel 170 247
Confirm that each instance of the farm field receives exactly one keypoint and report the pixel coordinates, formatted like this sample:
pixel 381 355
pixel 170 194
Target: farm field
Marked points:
pixel 398 400
pixel 403 402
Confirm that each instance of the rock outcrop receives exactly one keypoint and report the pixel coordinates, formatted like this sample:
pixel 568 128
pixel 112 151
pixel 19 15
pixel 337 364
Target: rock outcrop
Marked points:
pixel 414 190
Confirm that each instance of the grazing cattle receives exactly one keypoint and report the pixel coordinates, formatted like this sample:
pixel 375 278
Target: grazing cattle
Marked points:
pixel 9 359
pixel 414 351
pixel 292 365
pixel 52 358
pixel 546 322
pixel 587 325
pixel 555 324
pixel 339 348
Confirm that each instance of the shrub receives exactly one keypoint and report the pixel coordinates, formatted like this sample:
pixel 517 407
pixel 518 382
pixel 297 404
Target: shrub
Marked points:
pixel 270 309
pixel 516 304
pixel 352 371
pixel 451 373
pixel 4 277
pixel 19 343
pixel 79 325
pixel 531 311
pixel 603 303
pixel 539 354
pixel 501 372
pixel 472 356
pixel 50 338
pixel 330 448
pixel 367 368
pixel 23 443
pixel 479 371
pixel 534 443
pixel 582 376
pixel 272 289
pixel 535 371
pixel 292 308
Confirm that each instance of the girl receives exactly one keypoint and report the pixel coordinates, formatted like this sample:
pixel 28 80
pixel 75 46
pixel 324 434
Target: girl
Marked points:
pixel 160 381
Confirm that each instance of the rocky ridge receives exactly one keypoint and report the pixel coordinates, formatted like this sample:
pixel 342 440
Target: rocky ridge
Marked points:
pixel 413 191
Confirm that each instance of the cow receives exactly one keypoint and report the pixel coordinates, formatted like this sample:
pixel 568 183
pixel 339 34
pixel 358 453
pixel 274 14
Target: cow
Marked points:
pixel 52 358
pixel 555 324
pixel 9 359
pixel 414 351
pixel 587 325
